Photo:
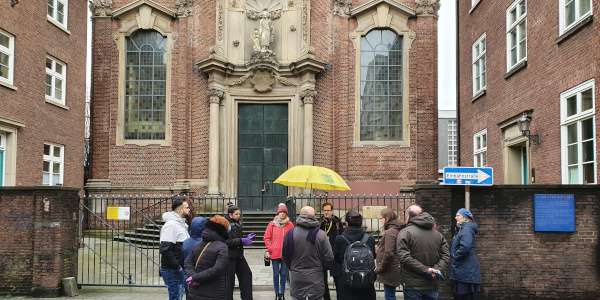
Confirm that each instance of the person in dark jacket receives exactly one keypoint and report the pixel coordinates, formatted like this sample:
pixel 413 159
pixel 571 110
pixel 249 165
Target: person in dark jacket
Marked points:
pixel 332 225
pixel 388 264
pixel 354 232
pixel 195 238
pixel 307 252
pixel 464 269
pixel 238 266
pixel 172 235
pixel 207 265
pixel 423 253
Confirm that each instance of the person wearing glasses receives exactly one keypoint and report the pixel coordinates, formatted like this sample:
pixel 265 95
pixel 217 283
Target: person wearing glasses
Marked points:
pixel 332 225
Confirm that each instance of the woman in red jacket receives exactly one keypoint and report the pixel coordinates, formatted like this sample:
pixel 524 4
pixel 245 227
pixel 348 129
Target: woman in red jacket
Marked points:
pixel 274 235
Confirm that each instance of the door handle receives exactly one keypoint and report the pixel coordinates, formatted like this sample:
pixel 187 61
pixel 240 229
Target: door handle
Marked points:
pixel 265 187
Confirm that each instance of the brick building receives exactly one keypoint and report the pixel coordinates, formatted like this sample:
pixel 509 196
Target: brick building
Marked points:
pixel 42 92
pixel 529 63
pixel 222 96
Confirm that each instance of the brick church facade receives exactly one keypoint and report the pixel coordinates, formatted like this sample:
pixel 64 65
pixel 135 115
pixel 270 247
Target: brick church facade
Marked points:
pixel 222 96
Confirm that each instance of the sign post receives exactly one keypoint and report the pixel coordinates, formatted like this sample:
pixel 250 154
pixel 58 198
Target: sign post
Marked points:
pixel 467 177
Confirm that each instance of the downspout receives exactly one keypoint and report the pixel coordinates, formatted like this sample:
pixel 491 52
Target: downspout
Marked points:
pixel 457 102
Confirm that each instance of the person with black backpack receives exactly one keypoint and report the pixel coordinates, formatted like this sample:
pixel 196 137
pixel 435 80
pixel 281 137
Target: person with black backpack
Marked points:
pixel 354 261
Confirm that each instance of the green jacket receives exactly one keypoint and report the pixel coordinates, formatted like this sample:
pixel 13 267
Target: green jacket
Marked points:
pixel 420 247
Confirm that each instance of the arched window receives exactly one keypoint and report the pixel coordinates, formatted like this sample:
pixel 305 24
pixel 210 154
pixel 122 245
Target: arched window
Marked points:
pixel 145 86
pixel 381 86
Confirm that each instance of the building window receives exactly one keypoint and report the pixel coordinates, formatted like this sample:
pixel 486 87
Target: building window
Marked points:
pixel 479 81
pixel 452 143
pixel 57 11
pixel 145 86
pixel 516 33
pixel 578 134
pixel 480 149
pixel 56 80
pixel 381 112
pixel 2 157
pixel 53 169
pixel 572 12
pixel 7 57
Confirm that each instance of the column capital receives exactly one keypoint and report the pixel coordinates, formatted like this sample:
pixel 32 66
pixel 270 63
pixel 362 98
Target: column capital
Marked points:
pixel 215 95
pixel 308 96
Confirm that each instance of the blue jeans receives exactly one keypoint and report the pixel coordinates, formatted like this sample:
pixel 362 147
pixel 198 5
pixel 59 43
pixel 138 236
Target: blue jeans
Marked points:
pixel 280 271
pixel 389 292
pixel 412 294
pixel 175 282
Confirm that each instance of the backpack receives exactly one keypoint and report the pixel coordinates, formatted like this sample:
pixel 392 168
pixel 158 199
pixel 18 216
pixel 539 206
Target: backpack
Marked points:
pixel 359 264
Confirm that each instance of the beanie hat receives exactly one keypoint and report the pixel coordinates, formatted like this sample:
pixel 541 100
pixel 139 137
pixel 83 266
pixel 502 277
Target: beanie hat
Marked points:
pixel 354 218
pixel 217 219
pixel 465 213
pixel 282 208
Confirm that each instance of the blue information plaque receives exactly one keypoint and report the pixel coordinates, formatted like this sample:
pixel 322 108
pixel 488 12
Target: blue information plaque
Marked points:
pixel 554 213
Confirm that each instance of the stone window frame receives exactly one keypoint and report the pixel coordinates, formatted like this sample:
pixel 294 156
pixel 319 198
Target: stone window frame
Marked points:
pixel 577 119
pixel 476 60
pixel 51 159
pixel 480 152
pixel 9 128
pixel 562 26
pixel 520 34
pixel 53 17
pixel 143 17
pixel 383 16
pixel 3 158
pixel 10 52
pixel 54 75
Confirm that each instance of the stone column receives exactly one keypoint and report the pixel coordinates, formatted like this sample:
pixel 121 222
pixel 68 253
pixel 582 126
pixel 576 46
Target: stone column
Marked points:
pixel 308 98
pixel 214 96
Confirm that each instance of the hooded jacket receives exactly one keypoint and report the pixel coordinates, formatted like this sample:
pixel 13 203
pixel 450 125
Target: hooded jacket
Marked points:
pixel 420 247
pixel 195 238
pixel 388 263
pixel 172 235
pixel 465 264
pixel 274 235
pixel 209 273
pixel 307 253
pixel 236 249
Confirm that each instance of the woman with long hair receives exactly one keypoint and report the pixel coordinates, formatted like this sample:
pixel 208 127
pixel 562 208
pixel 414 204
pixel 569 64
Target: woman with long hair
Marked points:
pixel 388 264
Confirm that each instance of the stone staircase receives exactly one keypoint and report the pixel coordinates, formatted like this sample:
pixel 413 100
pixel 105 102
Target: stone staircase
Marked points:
pixel 148 236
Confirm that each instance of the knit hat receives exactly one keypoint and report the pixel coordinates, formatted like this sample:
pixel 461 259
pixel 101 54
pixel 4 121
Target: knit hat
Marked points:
pixel 465 213
pixel 282 208
pixel 217 219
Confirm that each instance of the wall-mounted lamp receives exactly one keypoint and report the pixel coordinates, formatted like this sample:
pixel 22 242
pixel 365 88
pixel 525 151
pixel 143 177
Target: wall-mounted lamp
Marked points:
pixel 524 123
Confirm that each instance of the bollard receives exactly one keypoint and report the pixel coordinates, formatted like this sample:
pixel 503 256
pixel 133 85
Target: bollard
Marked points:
pixel 69 285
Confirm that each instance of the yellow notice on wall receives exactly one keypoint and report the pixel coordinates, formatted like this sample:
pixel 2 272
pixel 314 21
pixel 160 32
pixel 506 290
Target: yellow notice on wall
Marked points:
pixel 117 213
pixel 372 212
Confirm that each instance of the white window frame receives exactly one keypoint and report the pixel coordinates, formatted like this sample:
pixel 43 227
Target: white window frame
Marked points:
pixel 476 60
pixel 452 143
pixel 53 17
pixel 10 51
pixel 3 148
pixel 577 118
pixel 562 12
pixel 52 160
pixel 478 151
pixel 514 26
pixel 52 72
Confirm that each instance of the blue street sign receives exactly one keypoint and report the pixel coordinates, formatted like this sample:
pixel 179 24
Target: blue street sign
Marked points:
pixel 468 176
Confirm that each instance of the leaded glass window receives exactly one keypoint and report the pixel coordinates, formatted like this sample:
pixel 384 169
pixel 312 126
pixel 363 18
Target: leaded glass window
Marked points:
pixel 381 86
pixel 145 88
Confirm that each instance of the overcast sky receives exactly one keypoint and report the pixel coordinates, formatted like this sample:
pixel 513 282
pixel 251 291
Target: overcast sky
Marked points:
pixel 447 55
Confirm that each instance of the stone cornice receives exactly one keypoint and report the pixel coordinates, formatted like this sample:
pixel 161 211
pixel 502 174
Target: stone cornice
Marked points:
pixel 215 63
pixel 131 6
pixel 374 3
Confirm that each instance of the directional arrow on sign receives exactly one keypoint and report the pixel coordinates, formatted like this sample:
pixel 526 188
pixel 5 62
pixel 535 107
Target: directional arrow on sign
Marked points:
pixel 482 176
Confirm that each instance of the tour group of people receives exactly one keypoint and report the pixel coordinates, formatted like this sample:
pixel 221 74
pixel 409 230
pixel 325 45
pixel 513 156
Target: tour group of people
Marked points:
pixel 202 262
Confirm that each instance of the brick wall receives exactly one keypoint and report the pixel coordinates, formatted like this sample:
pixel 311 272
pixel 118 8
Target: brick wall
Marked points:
pixel 516 262
pixel 40 239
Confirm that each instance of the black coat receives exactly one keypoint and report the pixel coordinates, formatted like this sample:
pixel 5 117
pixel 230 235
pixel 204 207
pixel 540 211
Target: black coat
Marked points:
pixel 465 265
pixel 353 234
pixel 210 275
pixel 236 249
pixel 333 227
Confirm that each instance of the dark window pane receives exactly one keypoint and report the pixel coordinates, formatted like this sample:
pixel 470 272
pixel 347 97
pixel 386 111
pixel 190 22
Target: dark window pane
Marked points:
pixel 587 129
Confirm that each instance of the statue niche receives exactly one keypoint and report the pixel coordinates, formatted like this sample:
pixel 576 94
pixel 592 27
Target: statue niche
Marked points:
pixel 263 36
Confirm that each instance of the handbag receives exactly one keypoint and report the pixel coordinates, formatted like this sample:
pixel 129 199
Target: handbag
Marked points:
pixel 201 252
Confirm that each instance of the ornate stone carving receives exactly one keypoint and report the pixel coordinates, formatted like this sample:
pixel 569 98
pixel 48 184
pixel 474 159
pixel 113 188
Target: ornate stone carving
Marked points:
pixel 262 81
pixel 101 8
pixel 183 8
pixel 428 7
pixel 305 25
pixel 241 80
pixel 342 7
pixel 215 95
pixel 263 36
pixel 308 96
pixel 220 22
pixel 283 80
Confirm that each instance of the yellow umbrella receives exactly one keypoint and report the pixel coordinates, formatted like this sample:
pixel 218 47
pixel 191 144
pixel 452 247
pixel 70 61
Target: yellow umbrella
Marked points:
pixel 312 177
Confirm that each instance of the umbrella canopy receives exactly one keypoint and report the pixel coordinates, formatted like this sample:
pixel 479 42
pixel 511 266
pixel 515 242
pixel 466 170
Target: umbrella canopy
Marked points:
pixel 312 177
